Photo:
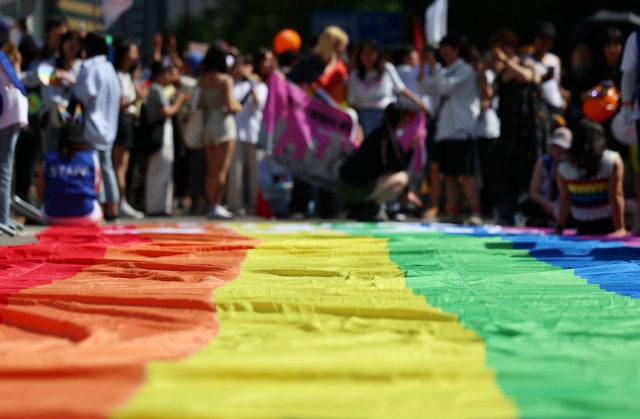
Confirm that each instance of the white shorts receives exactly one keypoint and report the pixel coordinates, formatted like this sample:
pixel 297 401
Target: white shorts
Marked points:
pixel 93 218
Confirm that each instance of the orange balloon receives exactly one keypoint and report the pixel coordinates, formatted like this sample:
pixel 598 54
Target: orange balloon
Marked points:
pixel 286 40
pixel 601 106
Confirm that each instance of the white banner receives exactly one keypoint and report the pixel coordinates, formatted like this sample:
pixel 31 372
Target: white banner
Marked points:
pixel 112 9
pixel 435 23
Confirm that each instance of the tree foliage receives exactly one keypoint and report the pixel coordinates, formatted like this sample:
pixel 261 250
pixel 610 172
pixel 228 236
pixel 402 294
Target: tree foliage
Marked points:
pixel 252 23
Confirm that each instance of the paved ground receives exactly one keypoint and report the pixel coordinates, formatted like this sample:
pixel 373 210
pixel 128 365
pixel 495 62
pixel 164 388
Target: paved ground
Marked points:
pixel 30 231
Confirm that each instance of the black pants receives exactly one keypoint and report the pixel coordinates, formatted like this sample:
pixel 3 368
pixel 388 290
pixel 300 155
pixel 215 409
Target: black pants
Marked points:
pixel 181 169
pixel 197 172
pixel 327 203
pixel 536 217
pixel 489 192
pixel 26 158
pixel 588 228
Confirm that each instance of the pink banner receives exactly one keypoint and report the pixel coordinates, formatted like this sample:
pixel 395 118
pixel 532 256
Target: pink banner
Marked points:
pixel 417 128
pixel 308 137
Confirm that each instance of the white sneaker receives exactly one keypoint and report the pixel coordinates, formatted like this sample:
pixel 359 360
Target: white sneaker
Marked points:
pixel 126 211
pixel 475 220
pixel 220 212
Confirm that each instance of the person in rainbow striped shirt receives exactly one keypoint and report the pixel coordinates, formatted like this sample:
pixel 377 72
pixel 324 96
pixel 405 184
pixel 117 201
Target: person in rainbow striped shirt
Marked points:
pixel 590 182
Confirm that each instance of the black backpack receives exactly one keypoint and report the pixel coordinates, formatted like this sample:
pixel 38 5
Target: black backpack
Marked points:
pixel 147 136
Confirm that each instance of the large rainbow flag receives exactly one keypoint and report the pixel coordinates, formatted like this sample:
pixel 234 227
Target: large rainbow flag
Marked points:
pixel 350 320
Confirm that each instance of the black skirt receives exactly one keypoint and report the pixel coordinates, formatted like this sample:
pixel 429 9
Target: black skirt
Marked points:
pixel 125 130
pixel 597 227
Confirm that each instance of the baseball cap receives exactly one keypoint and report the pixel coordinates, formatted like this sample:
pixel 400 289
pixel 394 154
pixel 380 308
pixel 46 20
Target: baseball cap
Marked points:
pixel 562 137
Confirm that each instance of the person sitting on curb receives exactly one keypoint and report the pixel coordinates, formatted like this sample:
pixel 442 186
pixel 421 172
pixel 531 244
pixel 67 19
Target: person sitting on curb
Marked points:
pixel 69 179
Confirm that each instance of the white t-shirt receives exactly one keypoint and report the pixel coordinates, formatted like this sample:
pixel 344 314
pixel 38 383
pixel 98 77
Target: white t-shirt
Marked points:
pixel 457 87
pixel 550 88
pixel 630 54
pixel 409 76
pixel 488 125
pixel 249 120
pixel 375 91
pixel 630 59
pixel 128 92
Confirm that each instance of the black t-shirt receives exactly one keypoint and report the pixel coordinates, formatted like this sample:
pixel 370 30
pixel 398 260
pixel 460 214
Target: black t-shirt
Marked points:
pixel 378 154
pixel 576 83
pixel 47 52
pixel 599 73
pixel 307 70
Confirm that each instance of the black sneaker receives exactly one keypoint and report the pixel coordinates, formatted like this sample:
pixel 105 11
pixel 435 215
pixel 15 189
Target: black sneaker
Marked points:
pixel 355 210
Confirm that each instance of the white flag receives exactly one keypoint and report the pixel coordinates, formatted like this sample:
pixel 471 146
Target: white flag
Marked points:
pixel 435 23
pixel 112 9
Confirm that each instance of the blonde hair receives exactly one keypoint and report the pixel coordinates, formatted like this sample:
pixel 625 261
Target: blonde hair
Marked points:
pixel 330 37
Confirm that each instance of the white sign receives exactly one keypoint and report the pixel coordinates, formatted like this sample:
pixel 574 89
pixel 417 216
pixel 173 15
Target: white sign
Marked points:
pixel 435 23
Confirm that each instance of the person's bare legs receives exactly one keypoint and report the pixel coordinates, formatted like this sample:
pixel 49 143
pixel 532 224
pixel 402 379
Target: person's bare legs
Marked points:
pixel 452 187
pixel 471 192
pixel 121 157
pixel 434 183
pixel 389 187
pixel 225 156
pixel 218 163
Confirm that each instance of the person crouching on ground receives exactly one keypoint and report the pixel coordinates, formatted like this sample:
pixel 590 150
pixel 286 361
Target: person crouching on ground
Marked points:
pixel 541 209
pixel 376 172
pixel 590 182
pixel 69 183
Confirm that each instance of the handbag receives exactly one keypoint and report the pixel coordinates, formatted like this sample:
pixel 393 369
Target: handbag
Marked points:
pixel 148 136
pixel 194 135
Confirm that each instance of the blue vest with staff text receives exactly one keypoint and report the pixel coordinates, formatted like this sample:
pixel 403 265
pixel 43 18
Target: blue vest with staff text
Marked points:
pixel 69 184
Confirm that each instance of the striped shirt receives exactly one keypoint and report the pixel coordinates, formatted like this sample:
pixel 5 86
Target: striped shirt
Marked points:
pixel 589 197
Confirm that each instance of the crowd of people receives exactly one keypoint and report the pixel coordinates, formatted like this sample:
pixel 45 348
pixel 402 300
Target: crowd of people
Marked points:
pixel 506 138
